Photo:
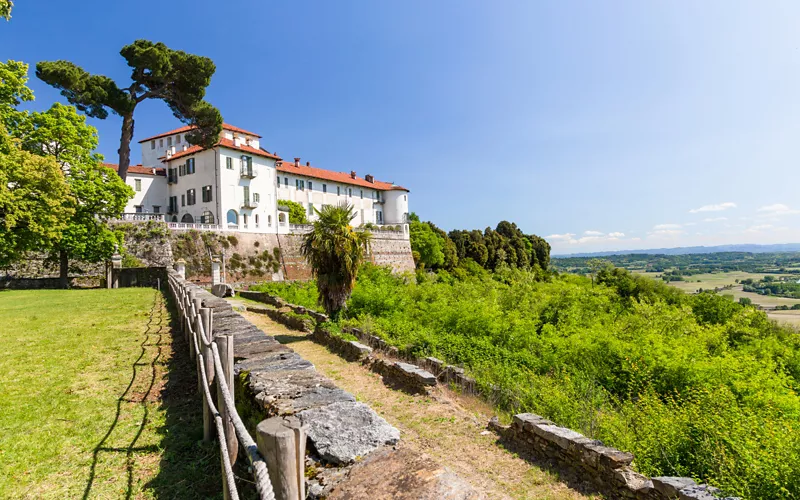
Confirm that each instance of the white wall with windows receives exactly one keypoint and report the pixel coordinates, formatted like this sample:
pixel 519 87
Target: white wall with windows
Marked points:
pixel 240 189
pixel 149 193
pixel 247 186
pixel 189 177
pixel 313 192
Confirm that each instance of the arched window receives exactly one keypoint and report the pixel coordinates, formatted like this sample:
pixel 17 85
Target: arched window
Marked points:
pixel 256 220
pixel 281 218
pixel 269 220
pixel 187 218
pixel 174 217
pixel 232 217
pixel 208 217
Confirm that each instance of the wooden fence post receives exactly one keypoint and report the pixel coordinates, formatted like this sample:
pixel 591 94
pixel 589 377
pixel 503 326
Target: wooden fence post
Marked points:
pixel 206 315
pixel 282 443
pixel 225 348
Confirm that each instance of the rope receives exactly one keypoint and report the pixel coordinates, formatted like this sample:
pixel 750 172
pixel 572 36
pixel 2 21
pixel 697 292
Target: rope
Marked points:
pixel 263 483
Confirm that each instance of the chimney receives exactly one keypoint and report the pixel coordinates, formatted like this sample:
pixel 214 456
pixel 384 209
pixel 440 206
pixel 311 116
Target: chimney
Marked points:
pixel 308 164
pixel 369 178
pixel 172 149
pixel 352 174
pixel 297 162
pixel 185 147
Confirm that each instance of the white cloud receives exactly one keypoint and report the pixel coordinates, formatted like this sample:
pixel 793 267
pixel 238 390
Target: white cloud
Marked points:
pixel 560 237
pixel 588 237
pixel 666 233
pixel 661 227
pixel 719 207
pixel 715 219
pixel 777 209
pixel 759 228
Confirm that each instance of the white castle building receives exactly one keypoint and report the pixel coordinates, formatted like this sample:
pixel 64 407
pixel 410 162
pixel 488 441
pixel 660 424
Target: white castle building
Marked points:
pixel 236 185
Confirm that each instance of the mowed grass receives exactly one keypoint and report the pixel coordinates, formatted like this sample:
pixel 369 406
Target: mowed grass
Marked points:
pixel 94 403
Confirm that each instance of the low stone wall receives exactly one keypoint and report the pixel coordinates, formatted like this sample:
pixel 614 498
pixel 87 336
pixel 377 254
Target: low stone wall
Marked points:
pixel 280 303
pixel 607 469
pixel 12 283
pixel 287 318
pixel 405 376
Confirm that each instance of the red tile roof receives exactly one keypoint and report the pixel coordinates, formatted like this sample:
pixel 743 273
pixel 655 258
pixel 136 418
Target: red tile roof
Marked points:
pixel 186 128
pixel 138 169
pixel 342 177
pixel 224 143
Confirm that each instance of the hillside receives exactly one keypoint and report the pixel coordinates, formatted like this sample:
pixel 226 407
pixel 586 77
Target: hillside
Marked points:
pixel 694 386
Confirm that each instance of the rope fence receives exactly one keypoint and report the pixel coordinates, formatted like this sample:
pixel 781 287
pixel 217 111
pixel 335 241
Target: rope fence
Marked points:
pixel 214 358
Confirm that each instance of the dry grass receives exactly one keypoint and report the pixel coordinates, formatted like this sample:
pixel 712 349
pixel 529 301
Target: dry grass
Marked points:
pixel 448 427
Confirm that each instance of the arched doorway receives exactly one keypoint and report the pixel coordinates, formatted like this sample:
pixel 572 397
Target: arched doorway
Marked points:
pixel 187 218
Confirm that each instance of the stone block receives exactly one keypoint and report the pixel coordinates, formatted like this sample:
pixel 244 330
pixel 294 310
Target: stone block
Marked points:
pixel 669 486
pixel 416 373
pixel 342 432
pixel 314 398
pixel 612 458
pixel 222 290
pixel 702 492
pixel 633 481
pixel 526 421
pixel 359 350
pixel 561 436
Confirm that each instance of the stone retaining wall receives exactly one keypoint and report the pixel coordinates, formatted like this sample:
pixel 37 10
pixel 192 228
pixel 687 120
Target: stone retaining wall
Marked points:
pixel 279 303
pixel 607 469
pixel 287 318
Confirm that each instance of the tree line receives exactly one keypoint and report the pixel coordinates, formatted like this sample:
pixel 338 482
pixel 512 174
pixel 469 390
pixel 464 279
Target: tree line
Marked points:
pixel 506 245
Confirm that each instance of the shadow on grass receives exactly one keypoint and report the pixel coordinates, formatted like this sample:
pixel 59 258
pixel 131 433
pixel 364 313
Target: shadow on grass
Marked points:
pixel 290 339
pixel 154 331
pixel 190 468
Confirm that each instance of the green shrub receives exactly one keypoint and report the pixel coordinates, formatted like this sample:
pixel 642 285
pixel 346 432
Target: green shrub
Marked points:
pixel 692 385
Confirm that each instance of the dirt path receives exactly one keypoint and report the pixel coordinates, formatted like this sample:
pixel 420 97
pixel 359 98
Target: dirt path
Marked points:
pixel 448 427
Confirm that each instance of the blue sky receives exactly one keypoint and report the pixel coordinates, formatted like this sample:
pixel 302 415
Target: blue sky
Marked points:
pixel 600 125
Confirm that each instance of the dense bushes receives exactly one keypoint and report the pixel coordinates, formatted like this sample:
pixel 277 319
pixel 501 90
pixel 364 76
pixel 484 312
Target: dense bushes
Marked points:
pixel 692 385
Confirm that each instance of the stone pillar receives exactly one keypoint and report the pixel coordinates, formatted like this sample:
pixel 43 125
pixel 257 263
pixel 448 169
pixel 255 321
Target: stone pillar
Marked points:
pixel 180 266
pixel 215 274
pixel 116 267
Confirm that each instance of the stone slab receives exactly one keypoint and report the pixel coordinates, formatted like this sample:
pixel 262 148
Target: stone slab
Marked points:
pixel 422 376
pixel 404 475
pixel 343 432
pixel 669 486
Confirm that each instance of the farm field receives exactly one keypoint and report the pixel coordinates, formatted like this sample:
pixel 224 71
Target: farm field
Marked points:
pixel 715 280
pixel 94 404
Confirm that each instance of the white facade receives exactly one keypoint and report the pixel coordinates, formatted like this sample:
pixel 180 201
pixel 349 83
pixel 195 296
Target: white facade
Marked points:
pixel 149 190
pixel 237 185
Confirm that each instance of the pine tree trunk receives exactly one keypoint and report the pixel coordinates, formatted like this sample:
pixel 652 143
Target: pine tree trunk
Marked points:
pixel 63 260
pixel 125 145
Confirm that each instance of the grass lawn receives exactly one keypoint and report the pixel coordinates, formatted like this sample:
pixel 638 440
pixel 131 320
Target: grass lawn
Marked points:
pixel 94 403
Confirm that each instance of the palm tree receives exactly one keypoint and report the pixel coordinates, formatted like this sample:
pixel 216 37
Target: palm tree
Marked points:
pixel 335 251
